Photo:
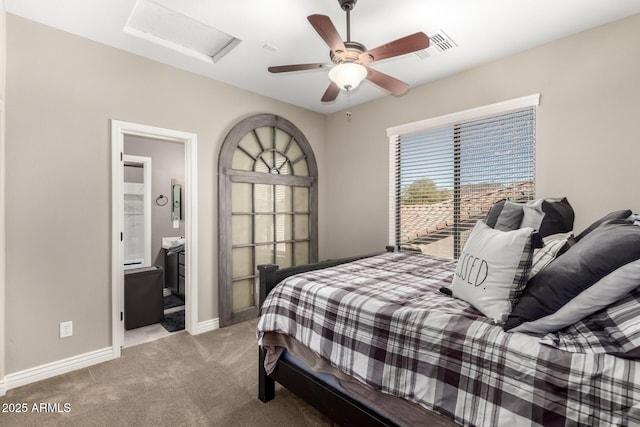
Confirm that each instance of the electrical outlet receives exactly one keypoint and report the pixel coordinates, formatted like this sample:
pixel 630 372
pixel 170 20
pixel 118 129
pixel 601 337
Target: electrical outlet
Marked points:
pixel 66 329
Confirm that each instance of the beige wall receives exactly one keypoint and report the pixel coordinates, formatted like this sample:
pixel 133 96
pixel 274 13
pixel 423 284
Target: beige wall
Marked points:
pixel 587 130
pixel 62 92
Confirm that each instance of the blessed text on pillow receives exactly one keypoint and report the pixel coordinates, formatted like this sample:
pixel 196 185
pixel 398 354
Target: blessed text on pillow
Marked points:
pixel 493 269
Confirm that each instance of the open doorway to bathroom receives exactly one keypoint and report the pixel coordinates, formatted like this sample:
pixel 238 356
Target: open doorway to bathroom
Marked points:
pixel 154 236
pixel 154 268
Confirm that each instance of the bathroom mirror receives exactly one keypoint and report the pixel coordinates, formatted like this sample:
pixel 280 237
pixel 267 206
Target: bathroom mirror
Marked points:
pixel 176 199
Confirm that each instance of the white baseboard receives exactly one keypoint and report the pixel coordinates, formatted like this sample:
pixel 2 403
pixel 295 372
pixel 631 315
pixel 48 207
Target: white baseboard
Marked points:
pixel 52 369
pixel 49 370
pixel 207 326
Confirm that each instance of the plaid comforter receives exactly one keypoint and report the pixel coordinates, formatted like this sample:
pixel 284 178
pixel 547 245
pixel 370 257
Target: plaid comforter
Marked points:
pixel 383 321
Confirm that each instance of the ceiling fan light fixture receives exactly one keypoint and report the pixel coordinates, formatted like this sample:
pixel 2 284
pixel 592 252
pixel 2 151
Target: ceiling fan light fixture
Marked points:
pixel 348 75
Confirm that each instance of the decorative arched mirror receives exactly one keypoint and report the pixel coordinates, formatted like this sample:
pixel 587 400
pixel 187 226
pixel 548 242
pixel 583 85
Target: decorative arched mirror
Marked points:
pixel 268 200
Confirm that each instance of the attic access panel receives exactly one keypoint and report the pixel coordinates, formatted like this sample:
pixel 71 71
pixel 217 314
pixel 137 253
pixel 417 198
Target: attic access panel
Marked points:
pixel 173 30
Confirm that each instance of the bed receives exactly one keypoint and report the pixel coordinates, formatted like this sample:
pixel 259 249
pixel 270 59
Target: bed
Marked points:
pixel 379 340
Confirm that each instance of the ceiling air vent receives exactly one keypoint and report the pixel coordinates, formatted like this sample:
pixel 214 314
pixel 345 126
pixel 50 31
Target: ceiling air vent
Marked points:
pixel 170 29
pixel 442 41
pixel 439 42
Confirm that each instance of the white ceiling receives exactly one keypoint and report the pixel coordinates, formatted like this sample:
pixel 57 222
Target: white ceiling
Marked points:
pixel 482 29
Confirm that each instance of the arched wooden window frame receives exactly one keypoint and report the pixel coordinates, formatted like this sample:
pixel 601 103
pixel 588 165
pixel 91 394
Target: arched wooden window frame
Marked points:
pixel 227 176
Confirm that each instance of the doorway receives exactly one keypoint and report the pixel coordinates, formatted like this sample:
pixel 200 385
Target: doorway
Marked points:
pixel 119 132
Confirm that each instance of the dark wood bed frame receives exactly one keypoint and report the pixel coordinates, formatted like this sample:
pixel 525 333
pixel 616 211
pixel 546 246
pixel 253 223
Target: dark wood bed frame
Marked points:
pixel 341 408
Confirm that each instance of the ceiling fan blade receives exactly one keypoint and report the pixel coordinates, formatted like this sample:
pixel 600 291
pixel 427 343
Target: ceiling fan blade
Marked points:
pixel 327 31
pixel 296 67
pixel 408 44
pixel 387 82
pixel 331 93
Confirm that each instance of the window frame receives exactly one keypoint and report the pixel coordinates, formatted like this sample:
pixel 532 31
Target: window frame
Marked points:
pixel 394 133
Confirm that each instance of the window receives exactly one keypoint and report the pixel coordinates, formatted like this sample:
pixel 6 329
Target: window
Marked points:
pixel 447 172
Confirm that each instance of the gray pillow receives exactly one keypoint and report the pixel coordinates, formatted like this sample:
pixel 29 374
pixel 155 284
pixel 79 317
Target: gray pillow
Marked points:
pixel 597 271
pixel 548 216
pixel 494 213
pixel 621 214
pixel 510 217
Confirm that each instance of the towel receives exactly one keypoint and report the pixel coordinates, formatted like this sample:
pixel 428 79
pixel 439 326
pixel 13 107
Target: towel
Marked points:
pixel 175 248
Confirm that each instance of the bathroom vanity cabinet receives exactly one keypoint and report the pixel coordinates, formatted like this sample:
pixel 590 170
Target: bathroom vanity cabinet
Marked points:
pixel 174 272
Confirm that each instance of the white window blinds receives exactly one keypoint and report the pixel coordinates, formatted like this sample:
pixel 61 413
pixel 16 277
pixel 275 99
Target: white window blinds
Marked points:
pixel 446 176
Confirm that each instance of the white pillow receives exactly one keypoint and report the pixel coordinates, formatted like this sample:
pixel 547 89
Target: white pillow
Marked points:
pixel 493 269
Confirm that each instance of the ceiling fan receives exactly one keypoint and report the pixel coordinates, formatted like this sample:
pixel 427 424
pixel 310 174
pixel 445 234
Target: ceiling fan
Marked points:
pixel 352 59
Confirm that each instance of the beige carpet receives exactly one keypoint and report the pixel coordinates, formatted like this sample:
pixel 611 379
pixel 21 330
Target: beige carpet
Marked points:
pixel 181 380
